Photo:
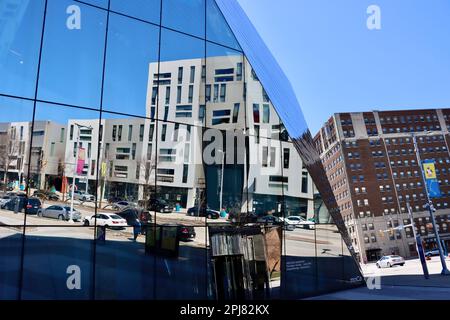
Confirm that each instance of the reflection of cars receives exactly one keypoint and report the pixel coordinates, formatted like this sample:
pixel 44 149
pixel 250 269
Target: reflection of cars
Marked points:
pixel 108 220
pixel 242 218
pixel 81 195
pixel 60 213
pixel 120 205
pixel 300 222
pixel 390 261
pixel 27 205
pixel 46 195
pixel 432 253
pixel 273 220
pixel 203 212
pixel 4 200
pixel 160 205
pixel 186 233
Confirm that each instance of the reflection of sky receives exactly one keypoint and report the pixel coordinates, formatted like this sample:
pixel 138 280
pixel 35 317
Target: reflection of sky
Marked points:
pixel 72 60
pixel 336 64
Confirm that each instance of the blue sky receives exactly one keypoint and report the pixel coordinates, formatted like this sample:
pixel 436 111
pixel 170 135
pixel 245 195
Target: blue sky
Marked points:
pixel 336 64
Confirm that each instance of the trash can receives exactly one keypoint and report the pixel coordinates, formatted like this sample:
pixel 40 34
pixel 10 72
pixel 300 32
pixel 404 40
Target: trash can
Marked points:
pixel 177 207
pixel 162 240
pixel 100 234
pixel 16 205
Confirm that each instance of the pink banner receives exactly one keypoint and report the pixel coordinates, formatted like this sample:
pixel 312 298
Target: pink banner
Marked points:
pixel 81 159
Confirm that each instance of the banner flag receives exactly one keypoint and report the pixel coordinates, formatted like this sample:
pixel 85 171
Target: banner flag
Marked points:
pixel 431 179
pixel 80 161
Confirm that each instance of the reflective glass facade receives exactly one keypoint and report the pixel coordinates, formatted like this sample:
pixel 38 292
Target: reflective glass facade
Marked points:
pixel 171 115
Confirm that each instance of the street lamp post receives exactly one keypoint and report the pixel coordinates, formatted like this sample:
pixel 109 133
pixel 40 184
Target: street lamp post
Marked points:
pixel 431 209
pixel 79 126
pixel 419 246
pixel 221 179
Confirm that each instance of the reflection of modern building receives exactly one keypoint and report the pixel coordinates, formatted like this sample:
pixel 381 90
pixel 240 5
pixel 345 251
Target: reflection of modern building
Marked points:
pixel 372 166
pixel 174 96
pixel 46 153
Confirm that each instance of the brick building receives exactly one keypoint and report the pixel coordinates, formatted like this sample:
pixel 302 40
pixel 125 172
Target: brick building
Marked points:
pixel 374 172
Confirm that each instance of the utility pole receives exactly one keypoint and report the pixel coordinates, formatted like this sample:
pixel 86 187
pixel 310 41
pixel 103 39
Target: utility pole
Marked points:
pixel 75 168
pixel 419 246
pixel 431 209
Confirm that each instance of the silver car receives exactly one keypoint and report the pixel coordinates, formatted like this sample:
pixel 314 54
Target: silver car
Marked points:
pixel 60 213
pixel 82 196
pixel 390 261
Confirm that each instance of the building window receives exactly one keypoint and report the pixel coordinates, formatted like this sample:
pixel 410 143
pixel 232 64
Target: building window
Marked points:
pixel 133 151
pixel 266 113
pixel 192 77
pixel 179 94
pixel 216 93
pixel 114 133
pixel 239 71
pixel 52 149
pixel 119 133
pixel 305 182
pixel 236 112
pixel 163 132
pixel 208 93
pixel 180 75
pixel 167 95
pixel 62 134
pixel 141 133
pixel 175 132
pixel 223 92
pixel 185 173
pixel 130 132
pixel 286 158
pixel 191 93
pixel 256 113
pixel 265 156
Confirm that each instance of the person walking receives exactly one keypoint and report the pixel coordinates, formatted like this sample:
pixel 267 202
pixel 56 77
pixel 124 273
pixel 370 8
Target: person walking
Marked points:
pixel 136 229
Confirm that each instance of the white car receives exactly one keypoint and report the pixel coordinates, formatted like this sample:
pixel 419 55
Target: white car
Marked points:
pixel 109 220
pixel 4 200
pixel 390 261
pixel 300 222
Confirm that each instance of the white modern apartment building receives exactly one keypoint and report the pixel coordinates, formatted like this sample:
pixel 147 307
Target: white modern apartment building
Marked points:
pixel 47 151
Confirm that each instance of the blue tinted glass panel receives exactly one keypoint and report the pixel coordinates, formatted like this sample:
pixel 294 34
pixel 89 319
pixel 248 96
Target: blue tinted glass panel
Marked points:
pixel 185 15
pixel 20 35
pixel 99 3
pixel 148 10
pixel 128 61
pixel 217 29
pixel 72 59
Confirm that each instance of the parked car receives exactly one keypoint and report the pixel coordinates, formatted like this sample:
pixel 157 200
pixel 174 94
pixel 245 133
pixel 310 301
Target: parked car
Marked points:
pixel 45 195
pixel 160 205
pixel 242 218
pixel 26 205
pixel 81 195
pixel 390 261
pixel 120 205
pixel 4 200
pixel 203 212
pixel 186 233
pixel 432 253
pixel 60 213
pixel 300 222
pixel 277 221
pixel 108 220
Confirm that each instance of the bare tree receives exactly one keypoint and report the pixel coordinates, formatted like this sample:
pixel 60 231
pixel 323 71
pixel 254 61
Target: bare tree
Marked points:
pixel 147 166
pixel 9 153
